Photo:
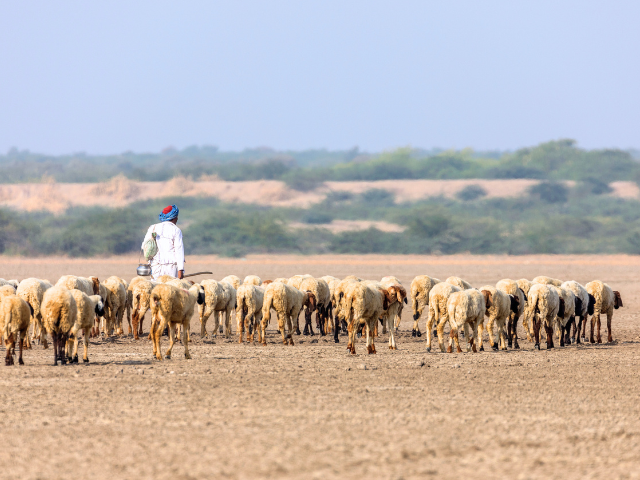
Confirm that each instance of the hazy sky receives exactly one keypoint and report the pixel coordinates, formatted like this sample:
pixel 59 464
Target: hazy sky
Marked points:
pixel 109 76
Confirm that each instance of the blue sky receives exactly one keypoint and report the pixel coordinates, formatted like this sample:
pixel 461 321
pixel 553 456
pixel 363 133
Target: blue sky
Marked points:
pixel 110 76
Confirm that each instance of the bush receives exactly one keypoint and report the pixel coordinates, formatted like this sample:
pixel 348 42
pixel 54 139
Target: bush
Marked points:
pixel 471 192
pixel 596 186
pixel 550 192
pixel 315 217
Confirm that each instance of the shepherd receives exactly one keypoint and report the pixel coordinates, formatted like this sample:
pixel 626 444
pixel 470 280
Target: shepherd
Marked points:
pixel 170 257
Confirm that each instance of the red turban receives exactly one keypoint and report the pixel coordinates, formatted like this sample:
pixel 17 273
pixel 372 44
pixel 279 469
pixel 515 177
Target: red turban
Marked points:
pixel 167 209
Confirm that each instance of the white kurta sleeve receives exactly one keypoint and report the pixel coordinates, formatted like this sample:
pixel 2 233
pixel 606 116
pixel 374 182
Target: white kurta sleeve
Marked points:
pixel 179 249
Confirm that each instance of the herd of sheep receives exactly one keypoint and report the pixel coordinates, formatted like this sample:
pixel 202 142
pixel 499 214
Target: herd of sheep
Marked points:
pixel 352 305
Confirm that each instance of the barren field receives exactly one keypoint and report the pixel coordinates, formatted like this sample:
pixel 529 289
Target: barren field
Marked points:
pixel 314 411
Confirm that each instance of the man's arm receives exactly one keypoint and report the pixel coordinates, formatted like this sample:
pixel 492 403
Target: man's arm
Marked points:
pixel 179 249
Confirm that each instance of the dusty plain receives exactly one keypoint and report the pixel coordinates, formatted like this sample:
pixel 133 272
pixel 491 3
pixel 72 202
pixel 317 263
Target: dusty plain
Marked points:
pixel 314 411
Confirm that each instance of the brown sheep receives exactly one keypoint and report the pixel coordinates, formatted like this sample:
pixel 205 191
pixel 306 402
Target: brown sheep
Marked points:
pixel 15 317
pixel 59 314
pixel 172 306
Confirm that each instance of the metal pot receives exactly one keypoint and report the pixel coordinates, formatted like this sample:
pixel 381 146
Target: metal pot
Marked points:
pixel 144 270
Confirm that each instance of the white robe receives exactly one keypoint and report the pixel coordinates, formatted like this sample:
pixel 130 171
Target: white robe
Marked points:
pixel 170 257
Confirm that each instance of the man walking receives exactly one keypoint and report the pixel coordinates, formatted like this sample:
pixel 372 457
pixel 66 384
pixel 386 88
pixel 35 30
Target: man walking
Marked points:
pixel 170 257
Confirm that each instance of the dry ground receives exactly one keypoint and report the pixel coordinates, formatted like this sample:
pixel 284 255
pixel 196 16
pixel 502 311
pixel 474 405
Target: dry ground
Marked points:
pixel 120 191
pixel 313 411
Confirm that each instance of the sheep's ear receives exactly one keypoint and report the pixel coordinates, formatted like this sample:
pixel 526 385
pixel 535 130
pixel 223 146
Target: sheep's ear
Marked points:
pixel 592 305
pixel 487 298
pixel 578 310
pixel 561 308
pixel 96 286
pixel 617 300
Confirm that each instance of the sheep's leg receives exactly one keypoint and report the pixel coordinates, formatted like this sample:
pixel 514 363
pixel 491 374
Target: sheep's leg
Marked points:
pixel 371 336
pixel 429 326
pixel 43 337
pixel 593 321
pixel 536 331
pixel 598 338
pixel 26 335
pixel 8 358
pixel 490 325
pixel 352 327
pixel 584 328
pixel 185 340
pixel 135 320
pixel 560 331
pixel 54 336
pixel 336 330
pixel 157 337
pixel 172 340
pixel 62 340
pixel 85 341
pixel 240 327
pixel 527 330
pixel 281 327
pixel 205 313
pixel 502 342
pixel 21 337
pixel 298 324
pixel 227 323
pixel 289 321
pixel 392 336
pixel 440 329
pixel 609 335
pixel 480 332
pixel 129 319
pixel 548 326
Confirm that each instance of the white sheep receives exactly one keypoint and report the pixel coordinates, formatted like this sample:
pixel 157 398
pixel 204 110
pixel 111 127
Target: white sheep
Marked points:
pixel 510 287
pixel 547 281
pixel 420 288
pixel 564 322
pixel 606 301
pixel 15 316
pixel 466 308
pixel 587 302
pixel 140 292
pixel 220 299
pixel 438 311
pixel 31 290
pixel 287 301
pixel 543 306
pixel 59 314
pixel 364 304
pixel 232 280
pixel 499 306
pixel 172 306
pixel 252 280
pixel 87 309
pixel 116 305
pixel 390 281
pixel 458 282
pixel 249 300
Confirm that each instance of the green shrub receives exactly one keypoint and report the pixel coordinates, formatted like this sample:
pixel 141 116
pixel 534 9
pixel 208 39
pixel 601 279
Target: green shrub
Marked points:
pixel 471 192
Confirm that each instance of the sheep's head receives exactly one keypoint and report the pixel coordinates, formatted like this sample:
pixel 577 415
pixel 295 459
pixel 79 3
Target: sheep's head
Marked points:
pixel 387 299
pixel 310 301
pixel 617 300
pixel 591 308
pixel 100 308
pixel 398 292
pixel 266 282
pixel 96 285
pixel 515 303
pixel 561 308
pixel 487 299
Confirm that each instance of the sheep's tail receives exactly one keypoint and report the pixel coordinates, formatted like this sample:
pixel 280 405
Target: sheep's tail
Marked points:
pixel 7 325
pixel 348 304
pixel 241 305
pixel 267 304
pixel 155 300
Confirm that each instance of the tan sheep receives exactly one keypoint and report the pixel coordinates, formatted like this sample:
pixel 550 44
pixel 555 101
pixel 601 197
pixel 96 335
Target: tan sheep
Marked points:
pixel 547 281
pixel 172 306
pixel 466 308
pixel 287 301
pixel 249 300
pixel 606 301
pixel 4 282
pixel 87 309
pixel 100 289
pixel 438 311
pixel 31 290
pixel 458 282
pixel 220 299
pixel 510 287
pixel 499 306
pixel 420 288
pixel 543 306
pixel 15 316
pixel 232 280
pixel 564 322
pixel 59 314
pixel 140 292
pixel 165 278
pixel 280 279
pixel 116 305
pixel 396 297
pixel 310 285
pixel 72 282
pixel 389 281
pixel 252 280
pixel 587 304
pixel 364 304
